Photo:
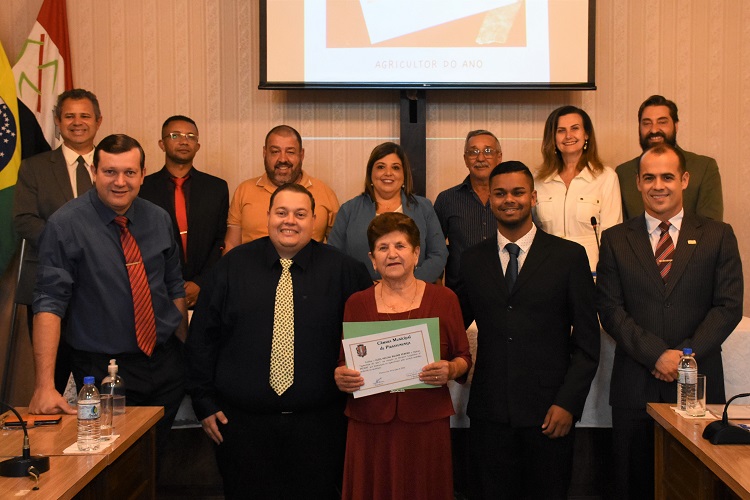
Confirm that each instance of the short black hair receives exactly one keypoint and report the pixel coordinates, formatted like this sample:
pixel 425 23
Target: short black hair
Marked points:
pixel 77 95
pixel 297 188
pixel 118 144
pixel 178 118
pixel 661 149
pixel 284 130
pixel 659 100
pixel 508 167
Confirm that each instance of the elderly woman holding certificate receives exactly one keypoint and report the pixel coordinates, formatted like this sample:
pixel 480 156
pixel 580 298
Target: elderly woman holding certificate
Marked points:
pixel 398 443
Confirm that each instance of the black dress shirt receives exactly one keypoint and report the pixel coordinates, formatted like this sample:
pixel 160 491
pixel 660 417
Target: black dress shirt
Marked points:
pixel 465 221
pixel 229 345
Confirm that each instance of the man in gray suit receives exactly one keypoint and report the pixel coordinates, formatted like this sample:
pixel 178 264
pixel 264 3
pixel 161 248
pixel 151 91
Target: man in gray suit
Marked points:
pixel 49 180
pixel 666 280
pixel 657 124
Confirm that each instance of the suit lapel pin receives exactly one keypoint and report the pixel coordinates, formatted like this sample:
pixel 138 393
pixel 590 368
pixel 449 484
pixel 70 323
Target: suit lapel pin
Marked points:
pixel 692 242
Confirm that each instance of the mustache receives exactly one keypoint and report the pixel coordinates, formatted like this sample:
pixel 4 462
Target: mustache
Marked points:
pixel 657 134
pixel 283 164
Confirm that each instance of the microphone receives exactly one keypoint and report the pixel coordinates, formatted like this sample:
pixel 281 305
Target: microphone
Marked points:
pixel 595 225
pixel 24 465
pixel 724 432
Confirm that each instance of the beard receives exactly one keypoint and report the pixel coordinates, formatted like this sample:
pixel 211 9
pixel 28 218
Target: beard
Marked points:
pixel 668 139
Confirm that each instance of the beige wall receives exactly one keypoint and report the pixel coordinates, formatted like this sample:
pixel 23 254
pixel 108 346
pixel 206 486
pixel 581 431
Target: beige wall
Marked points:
pixel 148 59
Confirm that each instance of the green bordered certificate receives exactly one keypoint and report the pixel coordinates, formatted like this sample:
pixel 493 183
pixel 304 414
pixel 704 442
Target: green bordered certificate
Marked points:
pixel 390 354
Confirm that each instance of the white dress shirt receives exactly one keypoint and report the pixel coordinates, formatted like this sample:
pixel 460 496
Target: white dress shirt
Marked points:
pixel 654 233
pixel 566 211
pixel 524 242
pixel 71 161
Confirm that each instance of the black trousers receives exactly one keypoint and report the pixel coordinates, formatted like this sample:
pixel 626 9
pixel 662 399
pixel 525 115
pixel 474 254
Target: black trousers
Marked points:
pixel 157 380
pixel 282 456
pixel 633 453
pixel 518 462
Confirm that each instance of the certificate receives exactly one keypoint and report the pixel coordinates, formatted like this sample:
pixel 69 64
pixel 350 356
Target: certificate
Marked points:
pixel 390 354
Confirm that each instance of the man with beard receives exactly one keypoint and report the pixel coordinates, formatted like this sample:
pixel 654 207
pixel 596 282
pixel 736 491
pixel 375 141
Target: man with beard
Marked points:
pixel 193 199
pixel 532 296
pixel 657 124
pixel 282 156
pixel 464 210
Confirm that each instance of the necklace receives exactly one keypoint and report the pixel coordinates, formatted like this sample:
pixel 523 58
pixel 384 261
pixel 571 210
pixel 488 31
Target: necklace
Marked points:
pixel 393 309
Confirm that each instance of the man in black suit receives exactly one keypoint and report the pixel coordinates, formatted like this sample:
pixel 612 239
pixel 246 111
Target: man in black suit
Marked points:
pixel 538 346
pixel 200 226
pixel 45 183
pixel 655 300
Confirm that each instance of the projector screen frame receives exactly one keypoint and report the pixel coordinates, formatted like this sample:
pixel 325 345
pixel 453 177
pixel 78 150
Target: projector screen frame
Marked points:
pixel 264 84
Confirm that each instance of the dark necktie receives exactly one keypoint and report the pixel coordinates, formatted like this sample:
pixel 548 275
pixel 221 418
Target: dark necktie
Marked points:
pixel 143 308
pixel 282 343
pixel 83 179
pixel 664 251
pixel 511 273
pixel 180 211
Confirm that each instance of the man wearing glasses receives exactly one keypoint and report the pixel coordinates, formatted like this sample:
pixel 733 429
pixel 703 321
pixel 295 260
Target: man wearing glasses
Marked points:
pixel 196 202
pixel 464 210
pixel 466 219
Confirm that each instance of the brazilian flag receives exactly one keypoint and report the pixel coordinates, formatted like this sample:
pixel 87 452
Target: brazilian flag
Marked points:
pixel 10 158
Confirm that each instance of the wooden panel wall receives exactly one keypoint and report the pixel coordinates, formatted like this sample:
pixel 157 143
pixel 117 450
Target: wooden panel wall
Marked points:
pixel 148 59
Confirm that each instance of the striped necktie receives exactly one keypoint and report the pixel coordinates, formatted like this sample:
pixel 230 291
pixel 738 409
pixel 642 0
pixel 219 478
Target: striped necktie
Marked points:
pixel 145 325
pixel 664 251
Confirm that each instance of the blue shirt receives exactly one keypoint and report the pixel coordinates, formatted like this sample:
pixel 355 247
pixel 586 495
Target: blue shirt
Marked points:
pixel 82 270
pixel 465 221
pixel 349 234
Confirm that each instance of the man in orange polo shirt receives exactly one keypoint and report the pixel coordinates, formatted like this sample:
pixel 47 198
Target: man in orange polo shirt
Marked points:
pixel 282 157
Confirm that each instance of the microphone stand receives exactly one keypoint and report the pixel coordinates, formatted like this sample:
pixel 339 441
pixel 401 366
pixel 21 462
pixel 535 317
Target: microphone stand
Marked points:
pixel 25 465
pixel 724 432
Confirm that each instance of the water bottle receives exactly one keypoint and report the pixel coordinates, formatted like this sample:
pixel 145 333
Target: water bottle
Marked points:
pixel 89 408
pixel 687 379
pixel 114 386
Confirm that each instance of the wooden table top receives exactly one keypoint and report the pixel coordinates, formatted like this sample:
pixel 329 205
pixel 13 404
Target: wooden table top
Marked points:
pixel 730 463
pixel 69 473
pixel 51 440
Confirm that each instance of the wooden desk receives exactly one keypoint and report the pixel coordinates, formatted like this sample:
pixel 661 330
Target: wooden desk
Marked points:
pixel 126 469
pixel 688 466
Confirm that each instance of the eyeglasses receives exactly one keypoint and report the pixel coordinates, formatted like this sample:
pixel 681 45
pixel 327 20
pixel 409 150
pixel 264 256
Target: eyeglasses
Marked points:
pixel 473 153
pixel 176 135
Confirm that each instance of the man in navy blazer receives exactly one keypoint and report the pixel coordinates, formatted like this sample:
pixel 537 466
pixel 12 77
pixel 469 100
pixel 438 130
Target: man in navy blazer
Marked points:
pixel 655 300
pixel 206 201
pixel 538 347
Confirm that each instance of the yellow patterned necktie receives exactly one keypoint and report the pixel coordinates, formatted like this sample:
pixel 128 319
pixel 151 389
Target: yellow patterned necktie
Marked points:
pixel 282 345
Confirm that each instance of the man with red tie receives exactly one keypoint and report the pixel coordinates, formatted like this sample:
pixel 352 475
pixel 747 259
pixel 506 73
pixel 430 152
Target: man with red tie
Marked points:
pixel 196 201
pixel 666 280
pixel 110 260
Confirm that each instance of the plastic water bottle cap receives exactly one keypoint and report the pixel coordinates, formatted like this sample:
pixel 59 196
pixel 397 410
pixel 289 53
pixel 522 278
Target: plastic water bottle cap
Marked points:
pixel 687 351
pixel 88 380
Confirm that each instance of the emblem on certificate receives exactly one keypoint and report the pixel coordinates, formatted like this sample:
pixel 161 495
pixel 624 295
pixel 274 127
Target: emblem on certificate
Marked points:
pixel 389 355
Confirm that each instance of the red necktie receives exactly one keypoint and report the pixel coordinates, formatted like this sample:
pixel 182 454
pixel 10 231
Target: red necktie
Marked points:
pixel 145 326
pixel 664 251
pixel 180 211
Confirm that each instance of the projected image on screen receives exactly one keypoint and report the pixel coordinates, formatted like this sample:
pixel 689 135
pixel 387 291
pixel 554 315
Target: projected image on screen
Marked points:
pixel 447 23
pixel 427 43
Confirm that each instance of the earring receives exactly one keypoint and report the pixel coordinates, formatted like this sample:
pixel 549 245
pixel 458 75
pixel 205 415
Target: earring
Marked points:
pixel 557 151
pixel 586 145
